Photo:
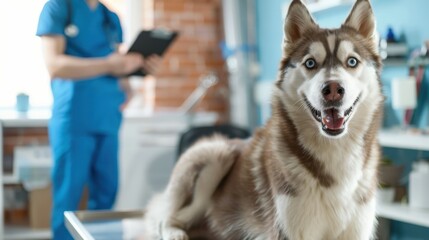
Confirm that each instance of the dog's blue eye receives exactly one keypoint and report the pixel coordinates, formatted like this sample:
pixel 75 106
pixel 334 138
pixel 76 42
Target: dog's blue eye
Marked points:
pixel 352 62
pixel 310 63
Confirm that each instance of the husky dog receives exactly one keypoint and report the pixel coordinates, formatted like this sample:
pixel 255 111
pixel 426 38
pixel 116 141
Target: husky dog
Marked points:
pixel 311 172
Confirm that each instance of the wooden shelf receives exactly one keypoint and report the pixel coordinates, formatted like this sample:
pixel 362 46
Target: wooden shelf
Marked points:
pixel 403 213
pixel 10 179
pixel 33 118
pixel 402 62
pixel 400 139
pixel 395 63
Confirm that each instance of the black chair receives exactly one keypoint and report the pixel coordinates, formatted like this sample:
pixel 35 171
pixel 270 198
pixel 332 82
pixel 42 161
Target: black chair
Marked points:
pixel 190 136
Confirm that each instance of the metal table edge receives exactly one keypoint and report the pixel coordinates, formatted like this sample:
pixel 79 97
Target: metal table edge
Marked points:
pixel 73 220
pixel 75 227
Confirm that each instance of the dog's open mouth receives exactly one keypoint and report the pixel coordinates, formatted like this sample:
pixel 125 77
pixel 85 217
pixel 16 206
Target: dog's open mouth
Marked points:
pixel 332 120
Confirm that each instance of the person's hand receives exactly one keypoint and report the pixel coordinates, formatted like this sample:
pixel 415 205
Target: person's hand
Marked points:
pixel 123 64
pixel 151 64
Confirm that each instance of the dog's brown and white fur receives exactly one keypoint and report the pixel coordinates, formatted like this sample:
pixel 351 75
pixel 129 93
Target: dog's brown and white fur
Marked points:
pixel 310 172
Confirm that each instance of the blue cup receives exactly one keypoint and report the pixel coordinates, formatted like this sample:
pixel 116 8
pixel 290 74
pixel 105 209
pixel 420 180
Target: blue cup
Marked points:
pixel 22 102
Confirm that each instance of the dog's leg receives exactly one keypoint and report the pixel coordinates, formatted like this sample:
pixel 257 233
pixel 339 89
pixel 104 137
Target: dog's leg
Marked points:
pixel 362 226
pixel 193 182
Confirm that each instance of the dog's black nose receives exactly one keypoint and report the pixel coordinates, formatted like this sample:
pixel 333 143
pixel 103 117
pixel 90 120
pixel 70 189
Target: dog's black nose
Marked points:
pixel 333 91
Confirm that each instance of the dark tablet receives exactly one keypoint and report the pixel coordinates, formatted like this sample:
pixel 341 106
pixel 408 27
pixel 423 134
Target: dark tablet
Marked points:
pixel 150 42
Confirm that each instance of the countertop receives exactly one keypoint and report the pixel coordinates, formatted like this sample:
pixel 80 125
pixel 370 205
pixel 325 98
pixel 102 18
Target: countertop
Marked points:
pixel 40 117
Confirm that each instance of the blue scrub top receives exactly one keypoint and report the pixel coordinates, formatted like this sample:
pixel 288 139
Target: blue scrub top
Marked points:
pixel 89 105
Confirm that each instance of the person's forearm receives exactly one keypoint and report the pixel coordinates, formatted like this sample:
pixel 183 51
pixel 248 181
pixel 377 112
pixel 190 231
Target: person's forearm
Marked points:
pixel 75 68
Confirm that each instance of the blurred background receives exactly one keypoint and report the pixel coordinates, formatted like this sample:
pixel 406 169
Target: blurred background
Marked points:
pixel 219 71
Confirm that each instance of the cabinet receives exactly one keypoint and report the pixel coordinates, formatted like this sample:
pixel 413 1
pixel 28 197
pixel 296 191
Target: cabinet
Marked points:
pixel 33 121
pixel 402 212
pixel 147 156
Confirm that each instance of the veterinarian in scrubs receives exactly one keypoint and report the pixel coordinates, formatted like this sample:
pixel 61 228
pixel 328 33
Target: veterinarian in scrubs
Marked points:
pixel 79 40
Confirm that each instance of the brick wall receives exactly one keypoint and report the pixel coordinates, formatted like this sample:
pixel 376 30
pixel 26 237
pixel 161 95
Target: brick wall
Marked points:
pixel 195 53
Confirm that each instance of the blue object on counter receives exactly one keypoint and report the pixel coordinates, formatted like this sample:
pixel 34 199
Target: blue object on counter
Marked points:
pixel 22 102
pixel 390 36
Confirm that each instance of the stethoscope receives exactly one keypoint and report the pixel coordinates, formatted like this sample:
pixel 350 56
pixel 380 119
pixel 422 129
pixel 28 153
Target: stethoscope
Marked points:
pixel 71 30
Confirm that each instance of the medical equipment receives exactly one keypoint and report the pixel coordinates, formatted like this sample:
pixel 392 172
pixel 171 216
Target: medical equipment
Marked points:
pixel 71 30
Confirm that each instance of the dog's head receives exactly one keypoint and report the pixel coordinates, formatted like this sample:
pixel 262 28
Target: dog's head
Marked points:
pixel 328 74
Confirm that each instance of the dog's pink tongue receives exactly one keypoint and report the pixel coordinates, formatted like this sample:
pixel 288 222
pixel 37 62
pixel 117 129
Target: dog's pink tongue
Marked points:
pixel 332 119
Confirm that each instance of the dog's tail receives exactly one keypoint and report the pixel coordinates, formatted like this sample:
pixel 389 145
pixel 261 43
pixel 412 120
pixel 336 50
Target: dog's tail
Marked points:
pixel 194 180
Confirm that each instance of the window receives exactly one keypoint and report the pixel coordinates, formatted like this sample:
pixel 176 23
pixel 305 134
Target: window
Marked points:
pixel 21 65
pixel 22 69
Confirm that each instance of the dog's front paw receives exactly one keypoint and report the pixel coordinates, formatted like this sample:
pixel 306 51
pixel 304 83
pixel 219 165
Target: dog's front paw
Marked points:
pixel 174 234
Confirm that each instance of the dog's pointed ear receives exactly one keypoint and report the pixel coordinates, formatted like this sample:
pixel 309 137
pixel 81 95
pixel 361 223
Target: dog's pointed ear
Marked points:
pixel 362 19
pixel 298 20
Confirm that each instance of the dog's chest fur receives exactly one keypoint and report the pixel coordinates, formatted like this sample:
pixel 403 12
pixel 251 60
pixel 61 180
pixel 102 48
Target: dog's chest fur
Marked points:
pixel 281 187
pixel 316 210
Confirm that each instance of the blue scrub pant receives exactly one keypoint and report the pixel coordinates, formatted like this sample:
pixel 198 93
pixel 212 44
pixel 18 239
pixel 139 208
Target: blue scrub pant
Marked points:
pixel 81 159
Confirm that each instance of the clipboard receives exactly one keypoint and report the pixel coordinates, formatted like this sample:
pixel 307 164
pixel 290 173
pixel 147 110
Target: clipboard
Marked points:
pixel 150 42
